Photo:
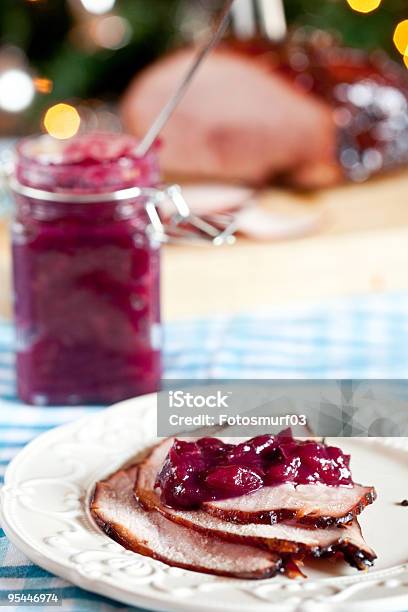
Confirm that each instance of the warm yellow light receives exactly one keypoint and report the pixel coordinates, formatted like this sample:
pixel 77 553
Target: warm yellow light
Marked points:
pixel 62 121
pixel 406 58
pixel 43 85
pixel 364 6
pixel 401 36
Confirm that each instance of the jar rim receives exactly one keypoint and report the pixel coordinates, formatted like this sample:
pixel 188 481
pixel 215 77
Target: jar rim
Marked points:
pixel 94 162
pixel 84 198
pixel 54 157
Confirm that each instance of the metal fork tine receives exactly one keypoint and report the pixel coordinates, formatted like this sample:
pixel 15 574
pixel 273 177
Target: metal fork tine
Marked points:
pixel 273 19
pixel 244 19
pixel 265 17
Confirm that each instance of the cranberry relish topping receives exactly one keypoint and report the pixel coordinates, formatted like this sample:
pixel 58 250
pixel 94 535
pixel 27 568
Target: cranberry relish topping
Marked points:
pixel 210 469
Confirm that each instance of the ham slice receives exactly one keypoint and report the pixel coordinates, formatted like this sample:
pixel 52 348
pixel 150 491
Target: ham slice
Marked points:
pixel 280 538
pixel 315 505
pixel 116 511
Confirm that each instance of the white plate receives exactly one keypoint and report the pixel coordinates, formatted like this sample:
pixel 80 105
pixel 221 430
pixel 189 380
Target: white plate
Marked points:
pixel 44 513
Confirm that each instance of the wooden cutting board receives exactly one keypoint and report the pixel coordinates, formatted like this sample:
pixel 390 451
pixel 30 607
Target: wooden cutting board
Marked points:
pixel 360 247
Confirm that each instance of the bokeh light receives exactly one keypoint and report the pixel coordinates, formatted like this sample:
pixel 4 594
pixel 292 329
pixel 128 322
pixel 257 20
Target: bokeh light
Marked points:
pixel 98 7
pixel 401 37
pixel 43 85
pixel 62 121
pixel 364 6
pixel 16 90
pixel 111 32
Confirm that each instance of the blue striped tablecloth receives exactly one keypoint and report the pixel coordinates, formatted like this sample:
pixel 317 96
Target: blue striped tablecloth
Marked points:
pixel 359 338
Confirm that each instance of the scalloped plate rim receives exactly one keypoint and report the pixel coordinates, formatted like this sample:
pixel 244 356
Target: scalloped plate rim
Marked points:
pixel 129 596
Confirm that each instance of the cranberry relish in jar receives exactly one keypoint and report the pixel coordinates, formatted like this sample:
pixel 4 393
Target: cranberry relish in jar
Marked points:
pixel 86 271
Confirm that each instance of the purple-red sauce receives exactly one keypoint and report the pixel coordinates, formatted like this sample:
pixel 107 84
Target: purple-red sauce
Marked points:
pixel 210 469
pixel 86 275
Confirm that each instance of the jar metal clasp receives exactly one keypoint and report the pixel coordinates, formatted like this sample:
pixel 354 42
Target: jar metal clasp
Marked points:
pixel 177 224
pixel 171 219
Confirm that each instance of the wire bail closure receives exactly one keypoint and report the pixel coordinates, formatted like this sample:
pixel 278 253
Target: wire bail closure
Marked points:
pixel 183 226
pixel 178 227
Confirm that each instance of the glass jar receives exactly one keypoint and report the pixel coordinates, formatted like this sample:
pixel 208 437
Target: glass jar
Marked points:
pixel 86 264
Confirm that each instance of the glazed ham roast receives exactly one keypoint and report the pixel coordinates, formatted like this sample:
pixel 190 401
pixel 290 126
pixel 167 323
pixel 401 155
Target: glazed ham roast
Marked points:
pixel 129 508
pixel 308 111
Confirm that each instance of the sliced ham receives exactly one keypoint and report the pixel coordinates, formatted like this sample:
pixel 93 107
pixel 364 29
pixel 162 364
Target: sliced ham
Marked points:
pixel 116 511
pixel 280 538
pixel 313 505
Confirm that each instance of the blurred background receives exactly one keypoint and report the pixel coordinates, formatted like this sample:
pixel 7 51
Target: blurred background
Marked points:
pixel 67 65
pixel 85 52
